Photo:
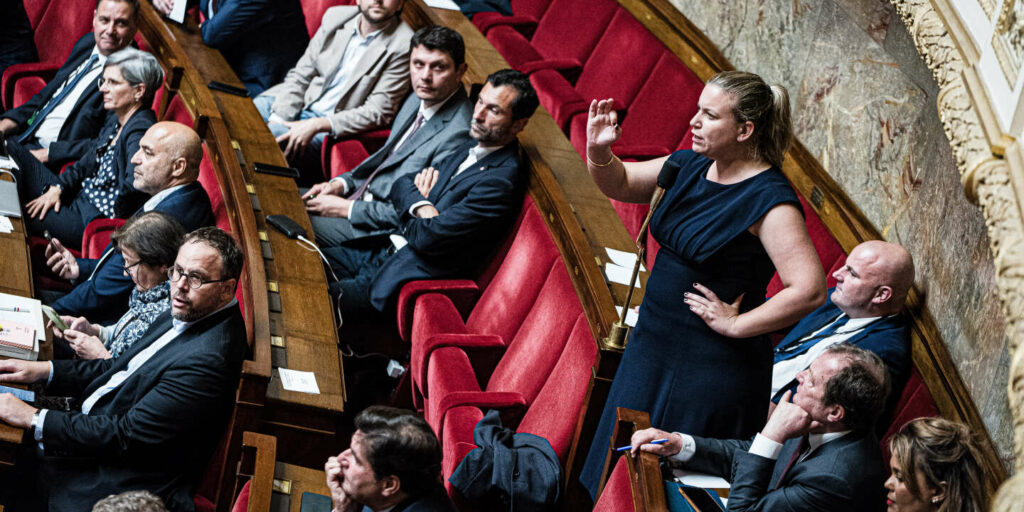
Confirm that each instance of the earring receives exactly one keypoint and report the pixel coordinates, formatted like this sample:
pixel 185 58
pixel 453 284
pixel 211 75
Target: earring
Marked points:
pixel 936 499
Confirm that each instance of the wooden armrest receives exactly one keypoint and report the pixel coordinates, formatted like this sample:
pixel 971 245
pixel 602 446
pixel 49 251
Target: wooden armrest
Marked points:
pixel 259 454
pixel 644 470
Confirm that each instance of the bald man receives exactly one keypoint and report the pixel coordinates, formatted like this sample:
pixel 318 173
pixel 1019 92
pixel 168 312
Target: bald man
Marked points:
pixel 166 167
pixel 864 309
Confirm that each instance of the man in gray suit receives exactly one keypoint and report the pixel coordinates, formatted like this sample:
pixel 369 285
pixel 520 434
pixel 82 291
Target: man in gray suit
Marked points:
pixel 431 124
pixel 816 453
pixel 350 79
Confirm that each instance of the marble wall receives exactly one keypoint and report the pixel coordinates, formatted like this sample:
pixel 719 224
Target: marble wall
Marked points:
pixel 864 104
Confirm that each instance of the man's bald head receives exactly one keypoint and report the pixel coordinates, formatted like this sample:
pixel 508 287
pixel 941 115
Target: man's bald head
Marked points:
pixel 169 155
pixel 875 280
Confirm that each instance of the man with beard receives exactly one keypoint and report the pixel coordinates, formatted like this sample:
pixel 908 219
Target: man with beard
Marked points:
pixel 351 79
pixel 149 419
pixel 452 216
pixel 432 123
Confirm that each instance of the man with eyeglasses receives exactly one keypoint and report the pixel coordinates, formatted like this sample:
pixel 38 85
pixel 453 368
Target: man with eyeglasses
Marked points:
pixel 167 167
pixel 149 419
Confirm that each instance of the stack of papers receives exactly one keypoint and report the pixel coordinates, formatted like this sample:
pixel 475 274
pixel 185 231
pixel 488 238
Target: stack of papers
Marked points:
pixel 620 268
pixel 16 310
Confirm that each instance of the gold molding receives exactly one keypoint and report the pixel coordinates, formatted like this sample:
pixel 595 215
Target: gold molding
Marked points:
pixel 993 183
pixel 988 6
pixel 1009 59
pixel 969 51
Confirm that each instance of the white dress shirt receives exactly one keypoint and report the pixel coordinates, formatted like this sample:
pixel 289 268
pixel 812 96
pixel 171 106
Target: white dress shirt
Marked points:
pixel 354 52
pixel 116 380
pixel 159 196
pixel 784 372
pixel 49 127
pixel 762 446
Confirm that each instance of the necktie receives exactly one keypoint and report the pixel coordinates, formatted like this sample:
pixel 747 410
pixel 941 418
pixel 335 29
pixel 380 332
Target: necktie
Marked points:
pixel 37 119
pixel 366 184
pixel 804 343
pixel 800 448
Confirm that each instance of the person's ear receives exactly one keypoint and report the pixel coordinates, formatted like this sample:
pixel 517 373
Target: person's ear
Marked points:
pixel 518 125
pixel 178 167
pixel 460 70
pixel 390 485
pixel 882 294
pixel 745 131
pixel 836 414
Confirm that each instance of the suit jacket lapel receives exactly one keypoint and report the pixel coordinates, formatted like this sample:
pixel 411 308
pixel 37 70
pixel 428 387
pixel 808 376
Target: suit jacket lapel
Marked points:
pixel 432 127
pixel 446 174
pixel 343 35
pixel 156 329
pixel 496 159
pixel 373 53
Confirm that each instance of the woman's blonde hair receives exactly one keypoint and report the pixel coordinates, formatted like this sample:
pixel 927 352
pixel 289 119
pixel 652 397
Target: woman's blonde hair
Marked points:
pixel 942 451
pixel 765 106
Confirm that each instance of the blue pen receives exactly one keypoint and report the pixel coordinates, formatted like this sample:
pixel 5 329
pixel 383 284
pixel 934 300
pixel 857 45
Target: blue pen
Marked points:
pixel 627 447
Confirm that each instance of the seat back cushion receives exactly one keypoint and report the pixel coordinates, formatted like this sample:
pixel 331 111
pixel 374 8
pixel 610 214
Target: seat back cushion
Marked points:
pixel 627 52
pixel 314 10
pixel 617 495
pixel 208 179
pixel 554 414
pixel 915 402
pixel 571 28
pixel 27 87
pixel 63 23
pixel 537 346
pixel 512 291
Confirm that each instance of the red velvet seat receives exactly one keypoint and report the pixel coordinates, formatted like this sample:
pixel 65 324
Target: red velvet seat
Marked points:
pixel 453 380
pixel 658 117
pixel 626 51
pixel 313 10
pixel 208 179
pixel 500 310
pixel 27 87
pixel 617 496
pixel 354 149
pixel 524 18
pixel 59 27
pixel 553 414
pixel 564 38
pixel 35 9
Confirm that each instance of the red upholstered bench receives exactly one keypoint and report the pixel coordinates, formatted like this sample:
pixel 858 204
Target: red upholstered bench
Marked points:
pixel 528 358
pixel 564 38
pixel 433 314
pixel 524 18
pixel 552 415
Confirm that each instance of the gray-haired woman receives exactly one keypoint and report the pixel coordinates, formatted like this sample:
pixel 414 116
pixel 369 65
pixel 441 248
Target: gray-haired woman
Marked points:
pixel 100 184
pixel 149 244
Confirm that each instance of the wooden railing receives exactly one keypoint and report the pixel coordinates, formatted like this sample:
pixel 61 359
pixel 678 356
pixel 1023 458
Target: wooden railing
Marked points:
pixel 289 316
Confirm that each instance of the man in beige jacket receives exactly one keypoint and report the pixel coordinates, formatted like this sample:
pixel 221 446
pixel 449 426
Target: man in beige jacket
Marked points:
pixel 352 78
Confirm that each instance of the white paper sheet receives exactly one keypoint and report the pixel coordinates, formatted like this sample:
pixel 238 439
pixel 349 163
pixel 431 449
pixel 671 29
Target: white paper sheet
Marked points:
pixel 703 480
pixel 442 4
pixel 5 225
pixel 631 315
pixel 178 11
pixel 623 258
pixel 303 382
pixel 620 275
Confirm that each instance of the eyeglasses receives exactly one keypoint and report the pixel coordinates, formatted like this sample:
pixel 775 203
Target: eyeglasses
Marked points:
pixel 194 282
pixel 111 82
pixel 126 268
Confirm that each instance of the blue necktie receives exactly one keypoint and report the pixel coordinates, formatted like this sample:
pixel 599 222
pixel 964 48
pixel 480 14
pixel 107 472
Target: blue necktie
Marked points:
pixel 802 345
pixel 37 119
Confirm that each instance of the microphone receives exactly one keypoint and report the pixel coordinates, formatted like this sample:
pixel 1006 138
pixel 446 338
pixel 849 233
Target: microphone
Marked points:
pixel 669 173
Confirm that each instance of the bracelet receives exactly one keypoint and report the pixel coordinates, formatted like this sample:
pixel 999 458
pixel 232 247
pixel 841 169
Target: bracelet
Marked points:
pixel 595 164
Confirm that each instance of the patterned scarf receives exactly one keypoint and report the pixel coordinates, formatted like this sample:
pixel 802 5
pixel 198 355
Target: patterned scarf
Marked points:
pixel 143 308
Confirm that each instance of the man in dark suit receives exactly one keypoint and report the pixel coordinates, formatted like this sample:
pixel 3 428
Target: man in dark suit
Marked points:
pixel 393 463
pixel 59 122
pixel 151 418
pixel 816 453
pixel 431 124
pixel 260 39
pixel 864 309
pixel 452 217
pixel 166 167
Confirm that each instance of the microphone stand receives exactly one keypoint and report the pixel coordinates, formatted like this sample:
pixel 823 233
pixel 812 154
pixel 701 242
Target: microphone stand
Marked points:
pixel 616 338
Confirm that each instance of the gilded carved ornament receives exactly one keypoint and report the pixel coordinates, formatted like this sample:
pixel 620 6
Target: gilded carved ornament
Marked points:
pixel 987 182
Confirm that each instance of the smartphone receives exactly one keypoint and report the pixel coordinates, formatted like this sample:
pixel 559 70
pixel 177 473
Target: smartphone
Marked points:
pixel 52 315
pixel 277 170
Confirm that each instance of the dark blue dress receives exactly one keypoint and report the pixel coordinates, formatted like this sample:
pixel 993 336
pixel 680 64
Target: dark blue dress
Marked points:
pixel 688 377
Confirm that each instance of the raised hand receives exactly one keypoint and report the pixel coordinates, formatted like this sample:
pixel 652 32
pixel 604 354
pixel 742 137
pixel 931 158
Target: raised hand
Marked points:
pixel 341 501
pixel 602 125
pixel 720 316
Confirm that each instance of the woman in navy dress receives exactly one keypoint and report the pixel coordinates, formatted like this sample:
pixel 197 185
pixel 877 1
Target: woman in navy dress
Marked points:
pixel 699 360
